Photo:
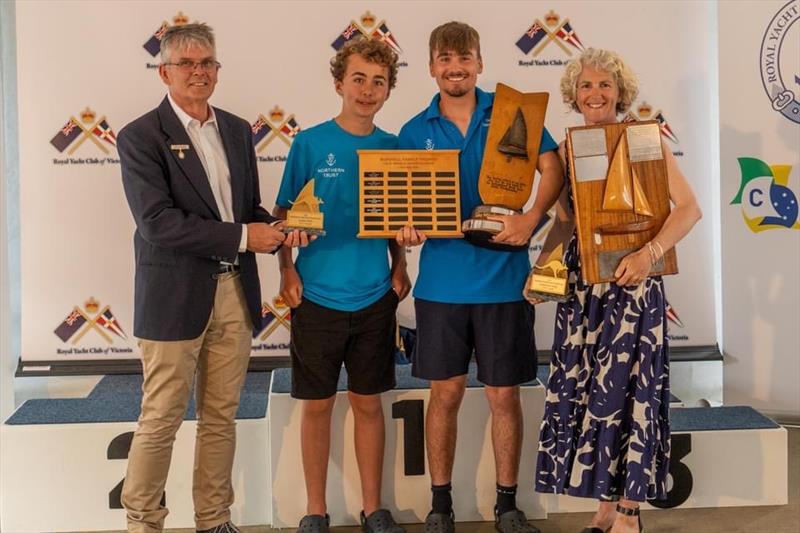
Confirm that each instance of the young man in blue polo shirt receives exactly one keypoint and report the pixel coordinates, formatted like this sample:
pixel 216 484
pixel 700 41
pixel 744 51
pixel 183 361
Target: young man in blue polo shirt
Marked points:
pixel 469 298
pixel 342 290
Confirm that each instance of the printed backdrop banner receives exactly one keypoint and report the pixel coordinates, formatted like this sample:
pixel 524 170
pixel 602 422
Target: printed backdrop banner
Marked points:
pixel 88 68
pixel 759 139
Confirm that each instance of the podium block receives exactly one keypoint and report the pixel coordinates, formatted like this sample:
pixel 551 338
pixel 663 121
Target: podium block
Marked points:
pixel 68 476
pixel 406 481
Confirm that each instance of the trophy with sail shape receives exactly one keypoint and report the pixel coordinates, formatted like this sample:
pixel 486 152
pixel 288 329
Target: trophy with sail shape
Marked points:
pixel 550 281
pixel 305 214
pixel 509 164
pixel 619 205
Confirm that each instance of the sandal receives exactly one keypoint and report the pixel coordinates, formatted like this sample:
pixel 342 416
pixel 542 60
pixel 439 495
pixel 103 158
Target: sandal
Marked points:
pixel 628 511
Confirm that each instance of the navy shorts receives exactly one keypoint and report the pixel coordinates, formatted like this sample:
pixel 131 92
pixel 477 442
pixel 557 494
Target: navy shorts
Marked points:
pixel 501 335
pixel 324 338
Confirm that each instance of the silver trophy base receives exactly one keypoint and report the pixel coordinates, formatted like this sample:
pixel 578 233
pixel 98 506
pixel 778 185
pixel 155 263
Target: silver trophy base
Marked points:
pixel 479 231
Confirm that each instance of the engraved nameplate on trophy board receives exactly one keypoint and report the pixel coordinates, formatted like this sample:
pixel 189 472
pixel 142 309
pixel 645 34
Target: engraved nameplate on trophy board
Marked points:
pixel 621 195
pixel 399 188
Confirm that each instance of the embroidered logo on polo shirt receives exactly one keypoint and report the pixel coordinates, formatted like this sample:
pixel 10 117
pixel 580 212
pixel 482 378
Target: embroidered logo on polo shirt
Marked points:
pixel 429 144
pixel 330 171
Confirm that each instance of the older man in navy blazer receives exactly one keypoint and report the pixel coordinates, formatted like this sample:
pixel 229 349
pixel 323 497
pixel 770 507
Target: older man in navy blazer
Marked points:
pixel 191 181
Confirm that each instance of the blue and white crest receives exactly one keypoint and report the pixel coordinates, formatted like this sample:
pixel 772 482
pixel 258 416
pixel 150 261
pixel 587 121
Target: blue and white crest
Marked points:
pixel 776 60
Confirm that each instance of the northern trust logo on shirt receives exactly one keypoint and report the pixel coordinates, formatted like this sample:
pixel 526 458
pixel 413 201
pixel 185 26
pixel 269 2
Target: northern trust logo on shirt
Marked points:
pixel 330 171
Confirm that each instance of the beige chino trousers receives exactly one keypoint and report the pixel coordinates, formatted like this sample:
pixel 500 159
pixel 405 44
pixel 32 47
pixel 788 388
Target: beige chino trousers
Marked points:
pixel 218 358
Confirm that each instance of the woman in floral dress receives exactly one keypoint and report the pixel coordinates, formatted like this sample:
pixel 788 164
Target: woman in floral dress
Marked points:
pixel 605 433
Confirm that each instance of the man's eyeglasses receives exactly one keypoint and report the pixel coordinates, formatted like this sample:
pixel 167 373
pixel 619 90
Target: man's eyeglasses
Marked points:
pixel 187 65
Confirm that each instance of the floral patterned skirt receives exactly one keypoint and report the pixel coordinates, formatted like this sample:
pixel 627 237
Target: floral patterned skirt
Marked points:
pixel 605 432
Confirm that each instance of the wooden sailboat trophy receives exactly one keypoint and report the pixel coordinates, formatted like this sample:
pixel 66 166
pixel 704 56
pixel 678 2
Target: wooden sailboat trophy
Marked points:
pixel 620 204
pixel 305 214
pixel 509 164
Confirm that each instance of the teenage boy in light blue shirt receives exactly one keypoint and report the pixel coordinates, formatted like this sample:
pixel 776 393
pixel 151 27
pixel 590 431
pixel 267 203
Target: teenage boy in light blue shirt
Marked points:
pixel 342 290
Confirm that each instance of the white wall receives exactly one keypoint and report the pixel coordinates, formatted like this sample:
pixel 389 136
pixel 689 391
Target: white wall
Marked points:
pixel 760 271
pixel 9 313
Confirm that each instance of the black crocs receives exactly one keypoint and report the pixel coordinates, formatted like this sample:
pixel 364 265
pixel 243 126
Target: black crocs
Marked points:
pixel 440 523
pixel 513 521
pixel 314 523
pixel 380 521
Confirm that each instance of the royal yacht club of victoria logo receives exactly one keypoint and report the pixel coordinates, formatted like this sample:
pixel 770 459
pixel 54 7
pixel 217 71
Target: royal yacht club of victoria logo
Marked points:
pixel 777 59
pixel 279 127
pixel 153 43
pixel 368 27
pixel 91 322
pixel 553 30
pixel 86 131
pixel 274 317
pixel 645 111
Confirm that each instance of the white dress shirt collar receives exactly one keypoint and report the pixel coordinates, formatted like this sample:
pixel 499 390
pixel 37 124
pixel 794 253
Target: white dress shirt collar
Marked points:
pixel 187 119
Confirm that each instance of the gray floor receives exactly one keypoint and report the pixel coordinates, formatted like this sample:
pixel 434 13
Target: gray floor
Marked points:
pixel 783 519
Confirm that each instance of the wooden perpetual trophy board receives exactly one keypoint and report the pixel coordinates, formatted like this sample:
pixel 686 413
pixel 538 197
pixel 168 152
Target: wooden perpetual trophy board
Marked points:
pixel 621 193
pixel 417 188
pixel 507 180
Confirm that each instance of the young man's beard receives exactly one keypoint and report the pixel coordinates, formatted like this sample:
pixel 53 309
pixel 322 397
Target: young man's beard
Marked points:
pixel 457 93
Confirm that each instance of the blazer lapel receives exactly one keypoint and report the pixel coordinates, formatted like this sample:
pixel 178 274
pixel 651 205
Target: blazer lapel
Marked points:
pixel 231 140
pixel 190 162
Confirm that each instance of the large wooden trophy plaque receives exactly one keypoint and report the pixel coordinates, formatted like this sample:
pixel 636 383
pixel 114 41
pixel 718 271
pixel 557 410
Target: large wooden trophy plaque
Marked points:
pixel 417 188
pixel 509 163
pixel 621 193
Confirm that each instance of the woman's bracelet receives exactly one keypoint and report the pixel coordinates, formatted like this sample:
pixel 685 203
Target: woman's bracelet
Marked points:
pixel 655 256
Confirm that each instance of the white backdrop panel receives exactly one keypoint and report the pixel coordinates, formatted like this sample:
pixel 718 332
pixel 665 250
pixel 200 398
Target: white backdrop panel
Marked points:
pixel 76 228
pixel 761 284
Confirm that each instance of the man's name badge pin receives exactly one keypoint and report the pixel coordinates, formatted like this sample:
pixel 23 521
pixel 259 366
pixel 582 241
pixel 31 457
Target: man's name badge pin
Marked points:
pixel 179 148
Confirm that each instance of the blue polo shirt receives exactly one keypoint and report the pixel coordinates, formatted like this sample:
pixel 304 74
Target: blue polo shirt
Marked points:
pixel 338 270
pixel 453 270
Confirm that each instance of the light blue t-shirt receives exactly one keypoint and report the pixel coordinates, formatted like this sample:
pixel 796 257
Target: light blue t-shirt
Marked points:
pixel 454 270
pixel 338 270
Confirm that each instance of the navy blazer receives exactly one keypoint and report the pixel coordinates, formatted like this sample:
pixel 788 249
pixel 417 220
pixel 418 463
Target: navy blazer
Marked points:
pixel 180 238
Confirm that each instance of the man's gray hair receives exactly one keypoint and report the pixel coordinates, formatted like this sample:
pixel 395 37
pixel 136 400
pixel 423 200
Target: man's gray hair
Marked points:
pixel 182 36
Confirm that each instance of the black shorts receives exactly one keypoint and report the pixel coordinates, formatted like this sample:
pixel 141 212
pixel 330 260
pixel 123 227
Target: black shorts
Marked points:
pixel 324 338
pixel 501 335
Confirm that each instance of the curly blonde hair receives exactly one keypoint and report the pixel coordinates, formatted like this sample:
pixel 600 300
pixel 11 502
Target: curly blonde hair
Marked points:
pixel 372 50
pixel 607 61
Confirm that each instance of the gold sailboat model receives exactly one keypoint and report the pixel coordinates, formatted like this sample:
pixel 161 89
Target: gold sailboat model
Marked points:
pixel 624 193
pixel 305 214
